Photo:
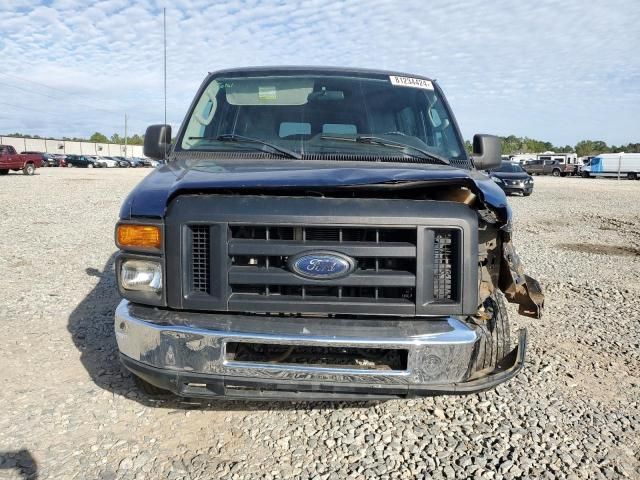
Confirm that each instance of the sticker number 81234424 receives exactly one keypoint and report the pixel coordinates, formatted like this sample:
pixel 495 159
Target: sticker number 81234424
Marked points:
pixel 411 82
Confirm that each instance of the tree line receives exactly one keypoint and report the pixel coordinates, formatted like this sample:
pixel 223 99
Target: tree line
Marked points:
pixel 512 145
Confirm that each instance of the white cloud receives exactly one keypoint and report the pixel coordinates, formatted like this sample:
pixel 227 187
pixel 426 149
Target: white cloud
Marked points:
pixel 560 72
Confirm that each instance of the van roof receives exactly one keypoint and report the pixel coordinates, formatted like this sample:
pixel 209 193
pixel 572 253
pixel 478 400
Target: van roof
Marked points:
pixel 616 155
pixel 287 69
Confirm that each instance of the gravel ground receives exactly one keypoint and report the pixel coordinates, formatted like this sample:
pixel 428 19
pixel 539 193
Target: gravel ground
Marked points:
pixel 68 411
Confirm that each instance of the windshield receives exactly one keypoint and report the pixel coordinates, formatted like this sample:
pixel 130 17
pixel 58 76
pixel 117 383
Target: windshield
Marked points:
pixel 508 167
pixel 307 114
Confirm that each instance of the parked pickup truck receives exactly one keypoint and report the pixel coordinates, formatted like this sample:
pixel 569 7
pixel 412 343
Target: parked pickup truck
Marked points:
pixel 557 165
pixel 11 160
pixel 319 233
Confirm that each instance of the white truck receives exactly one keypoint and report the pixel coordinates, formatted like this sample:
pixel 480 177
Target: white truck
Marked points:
pixel 613 165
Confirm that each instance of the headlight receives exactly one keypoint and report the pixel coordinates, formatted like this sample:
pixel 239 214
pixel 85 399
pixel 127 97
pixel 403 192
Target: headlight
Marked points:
pixel 141 276
pixel 529 180
pixel 497 180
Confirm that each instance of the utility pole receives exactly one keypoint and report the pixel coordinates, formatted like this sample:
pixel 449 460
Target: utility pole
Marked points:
pixel 164 72
pixel 125 135
pixel 620 163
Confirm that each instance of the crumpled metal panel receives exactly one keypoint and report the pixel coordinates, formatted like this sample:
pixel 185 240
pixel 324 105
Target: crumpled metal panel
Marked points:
pixel 517 286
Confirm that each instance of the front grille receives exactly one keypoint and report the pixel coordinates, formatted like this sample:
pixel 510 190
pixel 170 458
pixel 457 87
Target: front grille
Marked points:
pixel 385 259
pixel 199 262
pixel 406 258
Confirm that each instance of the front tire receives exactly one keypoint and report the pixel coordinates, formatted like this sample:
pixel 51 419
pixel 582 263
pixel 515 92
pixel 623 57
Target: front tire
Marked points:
pixel 90 165
pixel 632 176
pixel 29 169
pixel 526 194
pixel 494 341
pixel 556 173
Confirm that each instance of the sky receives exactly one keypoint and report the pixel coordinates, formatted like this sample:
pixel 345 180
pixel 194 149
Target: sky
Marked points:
pixel 554 71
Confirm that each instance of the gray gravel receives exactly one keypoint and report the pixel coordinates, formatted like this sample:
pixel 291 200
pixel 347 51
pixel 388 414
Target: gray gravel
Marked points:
pixel 68 411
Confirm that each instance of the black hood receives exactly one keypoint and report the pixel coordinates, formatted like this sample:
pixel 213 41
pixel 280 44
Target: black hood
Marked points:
pixel 152 196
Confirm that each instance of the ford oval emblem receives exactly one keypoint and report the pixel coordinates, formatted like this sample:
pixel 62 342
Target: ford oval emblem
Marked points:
pixel 322 265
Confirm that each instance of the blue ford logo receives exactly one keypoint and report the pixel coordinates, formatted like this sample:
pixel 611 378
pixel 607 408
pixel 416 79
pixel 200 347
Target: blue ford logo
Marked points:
pixel 322 265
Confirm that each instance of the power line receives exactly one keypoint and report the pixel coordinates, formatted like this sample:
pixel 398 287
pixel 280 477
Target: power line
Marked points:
pixel 110 127
pixel 43 111
pixel 41 84
pixel 31 108
pixel 60 99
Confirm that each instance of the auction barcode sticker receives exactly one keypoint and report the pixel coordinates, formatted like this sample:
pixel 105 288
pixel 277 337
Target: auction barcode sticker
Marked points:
pixel 411 82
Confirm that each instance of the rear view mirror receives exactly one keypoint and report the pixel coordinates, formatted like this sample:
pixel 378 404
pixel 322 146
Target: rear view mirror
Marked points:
pixel 487 151
pixel 157 141
pixel 326 95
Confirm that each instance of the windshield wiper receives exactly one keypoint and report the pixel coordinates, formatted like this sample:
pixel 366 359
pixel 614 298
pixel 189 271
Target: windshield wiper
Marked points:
pixel 373 140
pixel 234 137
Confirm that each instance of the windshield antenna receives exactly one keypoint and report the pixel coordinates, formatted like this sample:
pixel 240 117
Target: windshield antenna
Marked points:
pixel 164 34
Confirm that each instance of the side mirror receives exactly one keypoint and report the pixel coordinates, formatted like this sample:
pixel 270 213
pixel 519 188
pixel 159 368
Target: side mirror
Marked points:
pixel 487 151
pixel 157 141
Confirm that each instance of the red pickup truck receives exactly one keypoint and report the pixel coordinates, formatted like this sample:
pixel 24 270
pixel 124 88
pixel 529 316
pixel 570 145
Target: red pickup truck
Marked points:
pixel 11 160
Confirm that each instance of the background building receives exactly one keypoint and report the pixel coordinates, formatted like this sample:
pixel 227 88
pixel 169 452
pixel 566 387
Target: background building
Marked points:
pixel 71 147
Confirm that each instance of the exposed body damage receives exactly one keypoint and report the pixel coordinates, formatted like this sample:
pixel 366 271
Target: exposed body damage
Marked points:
pixel 519 287
pixel 207 174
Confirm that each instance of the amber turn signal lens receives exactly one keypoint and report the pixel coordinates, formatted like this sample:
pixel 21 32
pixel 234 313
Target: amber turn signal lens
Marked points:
pixel 138 236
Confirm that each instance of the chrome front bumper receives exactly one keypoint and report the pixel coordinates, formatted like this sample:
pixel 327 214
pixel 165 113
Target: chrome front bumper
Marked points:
pixel 184 352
